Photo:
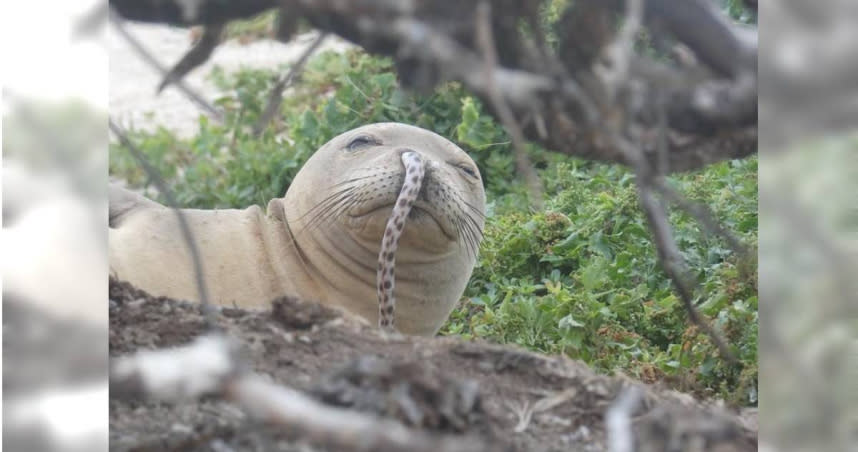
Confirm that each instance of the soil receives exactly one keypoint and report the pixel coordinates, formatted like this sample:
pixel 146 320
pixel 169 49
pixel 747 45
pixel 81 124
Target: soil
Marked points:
pixel 508 398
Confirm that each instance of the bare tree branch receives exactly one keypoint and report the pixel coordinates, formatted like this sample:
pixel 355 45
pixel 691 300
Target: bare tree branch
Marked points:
pixel 199 54
pixel 646 180
pixel 711 105
pixel 208 310
pixel 674 265
pixel 117 20
pixel 523 165
pixel 276 96
pixel 619 53
pixel 702 214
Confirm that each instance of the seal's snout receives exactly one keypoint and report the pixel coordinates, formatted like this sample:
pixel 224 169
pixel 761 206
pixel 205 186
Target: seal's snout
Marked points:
pixel 421 156
pixel 429 165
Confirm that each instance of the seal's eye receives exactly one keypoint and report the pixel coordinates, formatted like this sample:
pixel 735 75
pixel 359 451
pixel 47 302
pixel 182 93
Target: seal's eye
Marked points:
pixel 469 170
pixel 360 141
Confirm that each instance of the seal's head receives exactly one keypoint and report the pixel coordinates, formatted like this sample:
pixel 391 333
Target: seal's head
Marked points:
pixel 339 203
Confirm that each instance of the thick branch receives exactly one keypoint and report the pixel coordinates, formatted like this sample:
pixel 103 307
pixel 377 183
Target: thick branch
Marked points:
pixel 710 117
pixel 190 12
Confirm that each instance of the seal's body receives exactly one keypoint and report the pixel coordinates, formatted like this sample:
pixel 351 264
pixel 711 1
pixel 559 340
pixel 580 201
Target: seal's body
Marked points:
pixel 321 241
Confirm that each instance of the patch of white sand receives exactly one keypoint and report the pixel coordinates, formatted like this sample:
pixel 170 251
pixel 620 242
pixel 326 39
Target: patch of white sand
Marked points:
pixel 133 82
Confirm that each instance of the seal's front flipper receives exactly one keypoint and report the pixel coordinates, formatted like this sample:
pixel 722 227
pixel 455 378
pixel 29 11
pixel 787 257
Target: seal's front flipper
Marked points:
pixel 123 202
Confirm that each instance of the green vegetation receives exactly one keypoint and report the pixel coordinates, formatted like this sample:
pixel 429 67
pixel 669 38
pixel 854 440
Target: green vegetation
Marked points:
pixel 254 28
pixel 580 278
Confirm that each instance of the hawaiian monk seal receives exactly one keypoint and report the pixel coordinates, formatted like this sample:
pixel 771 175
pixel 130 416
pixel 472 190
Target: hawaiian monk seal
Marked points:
pixel 323 240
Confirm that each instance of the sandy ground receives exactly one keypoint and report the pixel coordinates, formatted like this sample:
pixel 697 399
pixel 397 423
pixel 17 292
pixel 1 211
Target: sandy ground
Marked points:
pixel 133 82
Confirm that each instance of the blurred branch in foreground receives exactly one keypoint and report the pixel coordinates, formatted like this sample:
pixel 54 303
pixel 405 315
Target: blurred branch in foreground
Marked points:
pixel 561 98
pixel 209 366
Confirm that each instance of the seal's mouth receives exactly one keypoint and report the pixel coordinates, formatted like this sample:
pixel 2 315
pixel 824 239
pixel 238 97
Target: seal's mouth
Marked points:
pixel 420 214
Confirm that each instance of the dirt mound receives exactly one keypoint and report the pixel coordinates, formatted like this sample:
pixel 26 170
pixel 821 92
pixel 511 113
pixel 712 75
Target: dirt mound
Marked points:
pixel 510 398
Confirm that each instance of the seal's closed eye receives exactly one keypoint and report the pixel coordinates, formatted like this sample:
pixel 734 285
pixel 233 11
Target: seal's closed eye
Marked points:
pixel 361 141
pixel 468 170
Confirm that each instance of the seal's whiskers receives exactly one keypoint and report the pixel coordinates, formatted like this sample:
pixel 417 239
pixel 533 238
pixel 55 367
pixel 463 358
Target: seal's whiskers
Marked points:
pixel 415 169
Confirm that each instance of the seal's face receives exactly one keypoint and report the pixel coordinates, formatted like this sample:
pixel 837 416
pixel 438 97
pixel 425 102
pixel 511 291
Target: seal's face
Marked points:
pixel 358 176
pixel 337 210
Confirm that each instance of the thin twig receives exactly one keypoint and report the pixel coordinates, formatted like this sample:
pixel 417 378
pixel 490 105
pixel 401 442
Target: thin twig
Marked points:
pixel 712 126
pixel 701 213
pixel 276 95
pixel 668 252
pixel 198 55
pixel 118 22
pixel 647 179
pixel 673 263
pixel 522 161
pixel 208 311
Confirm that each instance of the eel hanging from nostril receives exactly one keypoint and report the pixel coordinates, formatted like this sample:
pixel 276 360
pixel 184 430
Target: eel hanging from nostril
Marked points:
pixel 415 169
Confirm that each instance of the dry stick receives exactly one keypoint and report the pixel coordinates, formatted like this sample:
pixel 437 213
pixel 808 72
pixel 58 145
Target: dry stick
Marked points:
pixel 618 420
pixel 523 165
pixel 544 404
pixel 668 252
pixel 276 96
pixel 518 87
pixel 620 51
pixel 198 55
pixel 117 21
pixel 700 212
pixel 206 308
pixel 521 89
pixel 381 22
pixel 645 179
pixel 672 261
pixel 209 366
